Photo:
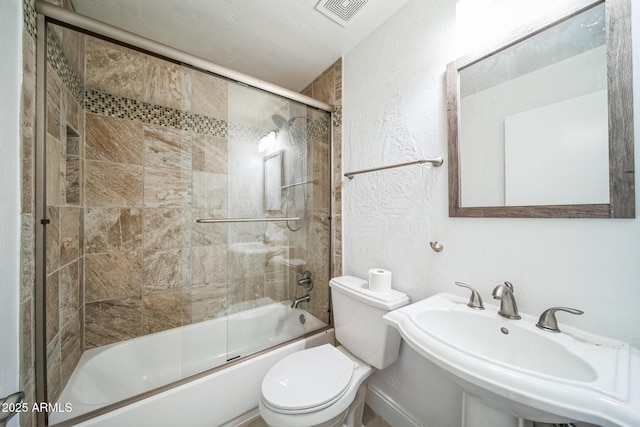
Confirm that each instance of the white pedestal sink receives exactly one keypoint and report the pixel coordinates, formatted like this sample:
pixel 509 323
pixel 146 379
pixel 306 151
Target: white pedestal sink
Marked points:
pixel 522 371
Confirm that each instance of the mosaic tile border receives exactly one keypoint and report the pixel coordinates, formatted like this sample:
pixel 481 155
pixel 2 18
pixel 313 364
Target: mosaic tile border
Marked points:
pixel 98 102
pixel 30 17
pixel 67 74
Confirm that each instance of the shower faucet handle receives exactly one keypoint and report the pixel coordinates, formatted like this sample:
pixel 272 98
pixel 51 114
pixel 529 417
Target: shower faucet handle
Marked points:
pixel 475 301
pixel 306 281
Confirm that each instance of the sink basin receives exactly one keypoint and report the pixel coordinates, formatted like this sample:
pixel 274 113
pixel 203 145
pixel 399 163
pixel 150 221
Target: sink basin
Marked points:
pixel 521 370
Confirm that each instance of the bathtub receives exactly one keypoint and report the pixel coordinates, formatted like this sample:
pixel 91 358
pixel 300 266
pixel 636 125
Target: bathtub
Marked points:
pixel 118 371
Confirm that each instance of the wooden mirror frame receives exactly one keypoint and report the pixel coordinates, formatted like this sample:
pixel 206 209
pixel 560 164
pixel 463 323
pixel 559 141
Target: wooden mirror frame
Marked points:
pixel 620 98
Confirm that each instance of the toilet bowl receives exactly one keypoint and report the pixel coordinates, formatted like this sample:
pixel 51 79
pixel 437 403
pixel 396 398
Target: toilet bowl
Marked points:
pixel 326 386
pixel 319 387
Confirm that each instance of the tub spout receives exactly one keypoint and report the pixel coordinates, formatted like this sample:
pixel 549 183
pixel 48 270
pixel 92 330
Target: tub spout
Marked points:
pixel 297 301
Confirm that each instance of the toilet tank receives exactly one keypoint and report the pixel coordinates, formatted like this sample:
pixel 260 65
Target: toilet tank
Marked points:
pixel 358 323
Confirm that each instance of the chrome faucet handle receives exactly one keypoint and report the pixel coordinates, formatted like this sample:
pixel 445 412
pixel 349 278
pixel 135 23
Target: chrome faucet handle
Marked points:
pixel 509 285
pixel 548 320
pixel 474 299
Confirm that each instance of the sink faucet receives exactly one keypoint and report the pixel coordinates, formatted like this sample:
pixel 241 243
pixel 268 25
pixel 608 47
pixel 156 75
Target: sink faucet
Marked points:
pixel 508 307
pixel 297 301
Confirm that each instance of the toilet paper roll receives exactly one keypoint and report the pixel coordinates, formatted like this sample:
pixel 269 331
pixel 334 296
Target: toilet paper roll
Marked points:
pixel 379 280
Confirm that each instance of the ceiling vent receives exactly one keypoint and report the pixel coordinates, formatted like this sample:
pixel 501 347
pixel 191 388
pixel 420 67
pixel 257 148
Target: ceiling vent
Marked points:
pixel 340 11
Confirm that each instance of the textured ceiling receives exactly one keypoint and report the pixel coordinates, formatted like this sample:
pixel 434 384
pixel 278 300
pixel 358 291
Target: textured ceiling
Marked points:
pixel 286 42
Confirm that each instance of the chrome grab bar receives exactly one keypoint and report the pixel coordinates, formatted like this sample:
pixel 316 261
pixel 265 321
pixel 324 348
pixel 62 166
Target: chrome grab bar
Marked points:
pixel 224 220
pixel 437 161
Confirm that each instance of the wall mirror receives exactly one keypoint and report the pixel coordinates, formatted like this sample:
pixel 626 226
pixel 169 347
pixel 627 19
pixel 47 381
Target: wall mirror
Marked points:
pixel 273 181
pixel 541 125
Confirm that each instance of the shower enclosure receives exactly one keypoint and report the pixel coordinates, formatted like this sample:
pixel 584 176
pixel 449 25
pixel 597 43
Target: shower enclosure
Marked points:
pixel 170 197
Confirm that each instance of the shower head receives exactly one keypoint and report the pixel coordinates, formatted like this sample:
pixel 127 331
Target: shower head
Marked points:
pixel 283 123
pixel 280 121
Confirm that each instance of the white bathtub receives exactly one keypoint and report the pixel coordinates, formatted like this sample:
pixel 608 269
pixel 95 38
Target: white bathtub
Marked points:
pixel 118 371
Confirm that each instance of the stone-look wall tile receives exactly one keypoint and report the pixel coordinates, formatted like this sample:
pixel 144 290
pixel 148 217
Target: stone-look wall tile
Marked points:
pixel 28 101
pixel 71 346
pixel 243 291
pixel 276 279
pixel 162 310
pixel 27 245
pixel 321 187
pixel 27 356
pixel 69 234
pixel 54 380
pixel 27 168
pixel 111 321
pixel 53 104
pixel 337 69
pixel 113 230
pixel 163 229
pixel 204 302
pixel 210 153
pixel 72 142
pixel 163 270
pixel 73 45
pixel 52 302
pixel 208 234
pixel 72 180
pixel 318 259
pixel 114 69
pixel 209 190
pixel 69 291
pixel 54 174
pixel 72 111
pixel 113 275
pixel 337 246
pixel 167 187
pixel 115 140
pixel 167 84
pixel 209 95
pixel 113 184
pixel 27 256
pixel 130 229
pixel 53 238
pixel 162 147
pixel 246 264
pixel 208 264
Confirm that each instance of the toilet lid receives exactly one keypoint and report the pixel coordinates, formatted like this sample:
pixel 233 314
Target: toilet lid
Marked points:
pixel 307 379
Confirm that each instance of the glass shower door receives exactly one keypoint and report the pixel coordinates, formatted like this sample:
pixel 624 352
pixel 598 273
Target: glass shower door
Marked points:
pixel 272 187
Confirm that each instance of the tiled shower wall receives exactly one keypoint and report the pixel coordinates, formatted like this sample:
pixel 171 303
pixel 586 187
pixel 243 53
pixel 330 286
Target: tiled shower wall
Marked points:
pixel 327 88
pixel 64 173
pixel 149 226
pixel 153 129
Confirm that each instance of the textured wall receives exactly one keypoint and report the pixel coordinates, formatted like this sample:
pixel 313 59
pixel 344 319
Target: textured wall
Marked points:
pixel 395 111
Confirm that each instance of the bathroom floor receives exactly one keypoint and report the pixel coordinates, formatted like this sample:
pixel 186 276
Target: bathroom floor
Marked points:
pixel 369 419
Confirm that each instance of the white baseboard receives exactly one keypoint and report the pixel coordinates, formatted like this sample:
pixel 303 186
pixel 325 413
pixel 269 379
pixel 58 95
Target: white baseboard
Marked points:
pixel 388 409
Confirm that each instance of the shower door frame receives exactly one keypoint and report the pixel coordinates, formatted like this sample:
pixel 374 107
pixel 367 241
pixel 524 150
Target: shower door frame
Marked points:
pixel 48 13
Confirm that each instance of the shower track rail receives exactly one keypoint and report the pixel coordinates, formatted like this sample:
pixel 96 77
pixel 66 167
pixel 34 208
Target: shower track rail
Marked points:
pixel 64 17
pixel 437 161
pixel 225 220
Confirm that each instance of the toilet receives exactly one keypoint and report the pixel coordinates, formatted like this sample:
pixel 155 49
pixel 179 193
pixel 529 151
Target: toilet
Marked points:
pixel 325 386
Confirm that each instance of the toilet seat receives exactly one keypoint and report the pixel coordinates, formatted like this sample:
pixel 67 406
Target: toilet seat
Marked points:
pixel 308 380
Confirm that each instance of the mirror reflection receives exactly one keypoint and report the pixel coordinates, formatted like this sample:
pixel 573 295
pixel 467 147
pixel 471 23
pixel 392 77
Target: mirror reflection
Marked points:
pixel 533 128
pixel 529 122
